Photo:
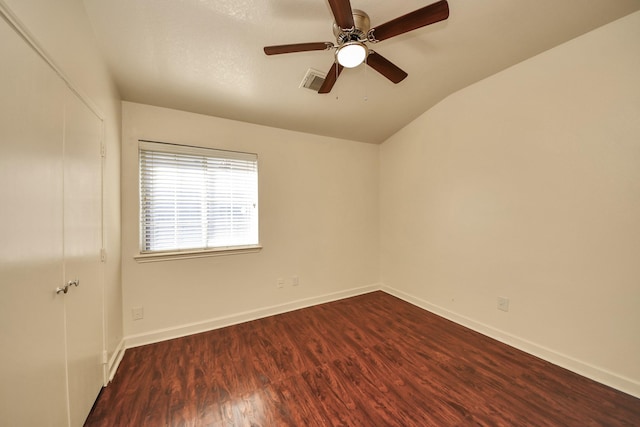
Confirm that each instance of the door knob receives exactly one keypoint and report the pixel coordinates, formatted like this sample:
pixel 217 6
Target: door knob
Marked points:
pixel 65 288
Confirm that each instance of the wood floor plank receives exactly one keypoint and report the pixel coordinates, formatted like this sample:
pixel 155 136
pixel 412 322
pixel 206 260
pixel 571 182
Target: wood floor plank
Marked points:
pixel 371 360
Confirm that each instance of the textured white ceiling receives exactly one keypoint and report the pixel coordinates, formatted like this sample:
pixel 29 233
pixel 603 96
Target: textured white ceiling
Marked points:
pixel 206 56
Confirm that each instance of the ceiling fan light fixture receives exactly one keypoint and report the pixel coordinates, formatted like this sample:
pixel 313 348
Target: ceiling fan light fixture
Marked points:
pixel 351 54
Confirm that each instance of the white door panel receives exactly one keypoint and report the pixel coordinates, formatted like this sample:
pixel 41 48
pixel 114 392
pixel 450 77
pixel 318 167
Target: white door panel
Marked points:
pixel 82 244
pixel 32 346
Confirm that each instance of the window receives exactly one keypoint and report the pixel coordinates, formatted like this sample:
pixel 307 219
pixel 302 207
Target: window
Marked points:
pixel 196 199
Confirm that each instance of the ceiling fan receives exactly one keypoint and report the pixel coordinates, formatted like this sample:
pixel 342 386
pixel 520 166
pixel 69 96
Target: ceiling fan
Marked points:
pixel 352 29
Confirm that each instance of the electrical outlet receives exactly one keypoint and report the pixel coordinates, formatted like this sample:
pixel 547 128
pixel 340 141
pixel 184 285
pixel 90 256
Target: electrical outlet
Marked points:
pixel 503 303
pixel 137 313
pixel 295 280
pixel 280 282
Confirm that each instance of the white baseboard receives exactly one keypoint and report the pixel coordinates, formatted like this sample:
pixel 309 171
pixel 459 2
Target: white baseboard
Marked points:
pixel 114 361
pixel 595 373
pixel 221 322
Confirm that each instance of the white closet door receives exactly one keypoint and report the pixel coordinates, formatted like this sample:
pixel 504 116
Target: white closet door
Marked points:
pixel 50 233
pixel 82 244
pixel 33 388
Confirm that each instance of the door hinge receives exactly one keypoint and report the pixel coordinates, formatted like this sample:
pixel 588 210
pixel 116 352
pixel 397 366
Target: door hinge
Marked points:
pixel 103 254
pixel 103 150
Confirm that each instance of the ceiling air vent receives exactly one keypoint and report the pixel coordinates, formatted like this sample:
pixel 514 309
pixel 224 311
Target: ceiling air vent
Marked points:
pixel 313 80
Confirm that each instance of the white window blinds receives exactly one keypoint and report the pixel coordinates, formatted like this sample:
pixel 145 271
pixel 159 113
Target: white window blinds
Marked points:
pixel 196 198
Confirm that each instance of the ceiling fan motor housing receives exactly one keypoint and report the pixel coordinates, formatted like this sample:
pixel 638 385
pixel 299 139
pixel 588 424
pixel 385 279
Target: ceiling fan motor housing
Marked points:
pixel 358 33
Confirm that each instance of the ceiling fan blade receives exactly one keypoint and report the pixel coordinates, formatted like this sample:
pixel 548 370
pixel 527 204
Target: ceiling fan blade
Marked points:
pixel 342 13
pixel 331 78
pixel 385 67
pixel 431 14
pixel 298 47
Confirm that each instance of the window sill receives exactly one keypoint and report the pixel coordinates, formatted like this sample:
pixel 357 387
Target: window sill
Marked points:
pixel 169 256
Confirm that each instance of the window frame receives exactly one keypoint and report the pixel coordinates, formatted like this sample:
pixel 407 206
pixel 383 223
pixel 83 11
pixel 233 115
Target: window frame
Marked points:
pixel 171 254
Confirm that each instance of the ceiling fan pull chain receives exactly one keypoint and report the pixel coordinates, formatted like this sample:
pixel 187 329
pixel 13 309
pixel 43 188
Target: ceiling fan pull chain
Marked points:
pixel 337 74
pixel 366 94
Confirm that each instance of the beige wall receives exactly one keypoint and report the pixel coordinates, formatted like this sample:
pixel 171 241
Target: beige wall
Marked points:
pixel 63 30
pixel 318 220
pixel 527 185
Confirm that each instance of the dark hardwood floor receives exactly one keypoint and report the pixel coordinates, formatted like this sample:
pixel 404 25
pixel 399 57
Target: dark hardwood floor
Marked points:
pixel 371 360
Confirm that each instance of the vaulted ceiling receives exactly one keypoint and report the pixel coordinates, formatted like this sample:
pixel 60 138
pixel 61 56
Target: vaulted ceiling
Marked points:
pixel 206 56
